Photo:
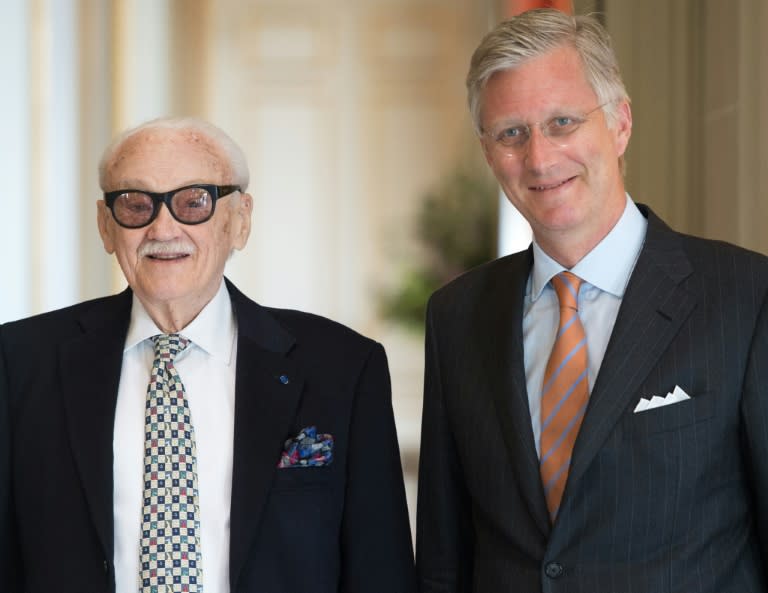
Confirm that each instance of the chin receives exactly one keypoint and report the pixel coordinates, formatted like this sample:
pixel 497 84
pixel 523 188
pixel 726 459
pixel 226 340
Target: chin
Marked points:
pixel 560 218
pixel 165 293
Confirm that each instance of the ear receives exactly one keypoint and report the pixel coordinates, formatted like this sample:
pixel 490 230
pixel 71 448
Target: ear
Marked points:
pixel 623 127
pixel 241 222
pixel 106 226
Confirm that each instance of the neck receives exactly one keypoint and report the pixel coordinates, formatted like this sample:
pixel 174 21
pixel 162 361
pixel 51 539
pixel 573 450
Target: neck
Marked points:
pixel 568 249
pixel 173 317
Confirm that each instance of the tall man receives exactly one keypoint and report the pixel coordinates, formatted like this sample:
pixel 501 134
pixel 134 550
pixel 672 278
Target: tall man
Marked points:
pixel 596 407
pixel 180 437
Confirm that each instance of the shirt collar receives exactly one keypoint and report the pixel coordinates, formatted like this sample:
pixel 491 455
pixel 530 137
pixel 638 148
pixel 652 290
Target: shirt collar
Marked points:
pixel 213 330
pixel 610 263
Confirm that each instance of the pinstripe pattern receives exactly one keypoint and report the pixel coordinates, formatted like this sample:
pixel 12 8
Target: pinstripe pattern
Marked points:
pixel 672 500
pixel 565 392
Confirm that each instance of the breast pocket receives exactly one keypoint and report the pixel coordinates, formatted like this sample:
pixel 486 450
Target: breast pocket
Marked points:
pixel 303 478
pixel 671 417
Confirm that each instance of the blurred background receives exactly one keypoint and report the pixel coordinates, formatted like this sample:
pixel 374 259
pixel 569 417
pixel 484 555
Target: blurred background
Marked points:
pixel 370 190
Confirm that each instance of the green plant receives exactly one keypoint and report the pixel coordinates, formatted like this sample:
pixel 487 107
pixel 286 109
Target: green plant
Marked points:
pixel 457 228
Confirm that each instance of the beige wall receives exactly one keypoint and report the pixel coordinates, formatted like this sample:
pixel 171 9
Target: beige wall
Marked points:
pixel 697 71
pixel 348 111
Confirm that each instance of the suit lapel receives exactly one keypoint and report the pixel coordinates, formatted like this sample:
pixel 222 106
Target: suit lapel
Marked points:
pixel 501 327
pixel 268 388
pixel 264 409
pixel 654 307
pixel 90 376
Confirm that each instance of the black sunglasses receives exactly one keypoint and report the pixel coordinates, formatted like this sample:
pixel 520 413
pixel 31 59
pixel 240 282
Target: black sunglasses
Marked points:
pixel 192 204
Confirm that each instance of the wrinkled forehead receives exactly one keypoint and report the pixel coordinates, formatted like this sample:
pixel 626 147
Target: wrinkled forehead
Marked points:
pixel 163 159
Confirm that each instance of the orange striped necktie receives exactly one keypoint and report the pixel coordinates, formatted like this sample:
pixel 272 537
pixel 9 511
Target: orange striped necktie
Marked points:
pixel 564 393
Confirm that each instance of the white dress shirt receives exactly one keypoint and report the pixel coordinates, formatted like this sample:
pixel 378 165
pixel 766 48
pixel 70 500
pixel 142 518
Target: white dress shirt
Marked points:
pixel 207 369
pixel 605 272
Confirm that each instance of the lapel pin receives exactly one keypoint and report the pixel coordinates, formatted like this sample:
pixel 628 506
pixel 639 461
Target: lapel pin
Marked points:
pixel 284 379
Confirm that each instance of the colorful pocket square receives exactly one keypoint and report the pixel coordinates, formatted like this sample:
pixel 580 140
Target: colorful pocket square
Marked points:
pixel 307 449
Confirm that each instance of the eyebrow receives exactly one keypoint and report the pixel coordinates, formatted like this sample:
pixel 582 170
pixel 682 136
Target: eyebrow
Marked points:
pixel 551 115
pixel 141 185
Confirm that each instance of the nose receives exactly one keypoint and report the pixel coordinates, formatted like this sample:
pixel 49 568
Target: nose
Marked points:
pixel 164 227
pixel 540 152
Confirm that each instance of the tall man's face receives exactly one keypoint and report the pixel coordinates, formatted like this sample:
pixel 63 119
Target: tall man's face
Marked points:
pixel 167 263
pixel 569 188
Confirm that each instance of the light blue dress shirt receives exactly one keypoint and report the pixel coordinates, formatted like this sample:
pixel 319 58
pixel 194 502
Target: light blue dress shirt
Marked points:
pixel 605 272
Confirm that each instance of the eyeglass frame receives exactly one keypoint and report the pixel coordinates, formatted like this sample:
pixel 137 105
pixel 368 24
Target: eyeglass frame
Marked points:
pixel 215 191
pixel 513 150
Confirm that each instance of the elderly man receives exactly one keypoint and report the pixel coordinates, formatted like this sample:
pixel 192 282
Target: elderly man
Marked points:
pixel 180 437
pixel 595 407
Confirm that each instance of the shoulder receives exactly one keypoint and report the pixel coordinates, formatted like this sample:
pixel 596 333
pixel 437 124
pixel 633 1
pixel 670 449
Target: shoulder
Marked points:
pixel 58 325
pixel 711 258
pixel 310 328
pixel 734 277
pixel 707 250
pixel 702 252
pixel 298 332
pixel 326 350
pixel 506 274
pixel 728 278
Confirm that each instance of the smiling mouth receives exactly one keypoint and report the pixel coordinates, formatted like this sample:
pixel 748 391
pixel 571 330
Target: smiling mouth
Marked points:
pixel 166 251
pixel 167 256
pixel 550 186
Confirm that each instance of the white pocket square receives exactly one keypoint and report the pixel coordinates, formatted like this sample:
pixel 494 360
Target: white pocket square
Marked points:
pixel 677 396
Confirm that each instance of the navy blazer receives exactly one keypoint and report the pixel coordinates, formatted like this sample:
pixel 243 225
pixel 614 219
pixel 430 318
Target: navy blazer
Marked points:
pixel 340 528
pixel 674 499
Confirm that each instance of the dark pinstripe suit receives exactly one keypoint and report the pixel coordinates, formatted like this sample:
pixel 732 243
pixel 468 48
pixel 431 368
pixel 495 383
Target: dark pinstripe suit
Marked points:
pixel 674 499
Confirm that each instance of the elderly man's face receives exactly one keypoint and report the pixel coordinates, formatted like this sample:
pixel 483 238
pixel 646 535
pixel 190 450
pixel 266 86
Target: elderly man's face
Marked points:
pixel 168 263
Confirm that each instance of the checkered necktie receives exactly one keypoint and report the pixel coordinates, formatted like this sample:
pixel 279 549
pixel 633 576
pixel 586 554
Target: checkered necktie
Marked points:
pixel 565 392
pixel 170 530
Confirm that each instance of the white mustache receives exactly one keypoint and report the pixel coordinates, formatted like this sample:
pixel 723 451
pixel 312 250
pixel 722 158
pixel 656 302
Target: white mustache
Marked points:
pixel 175 247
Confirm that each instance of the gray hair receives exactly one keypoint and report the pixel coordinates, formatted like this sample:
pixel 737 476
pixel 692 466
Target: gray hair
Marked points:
pixel 238 166
pixel 537 32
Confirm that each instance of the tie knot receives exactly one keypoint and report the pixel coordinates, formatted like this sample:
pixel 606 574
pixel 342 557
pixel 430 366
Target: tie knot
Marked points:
pixel 168 346
pixel 567 286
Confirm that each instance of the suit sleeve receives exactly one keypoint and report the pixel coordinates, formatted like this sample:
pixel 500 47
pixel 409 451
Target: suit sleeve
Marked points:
pixel 444 534
pixel 8 547
pixel 755 419
pixel 377 553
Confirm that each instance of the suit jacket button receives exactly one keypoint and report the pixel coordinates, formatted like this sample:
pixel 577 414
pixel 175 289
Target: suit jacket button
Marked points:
pixel 553 570
pixel 106 567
